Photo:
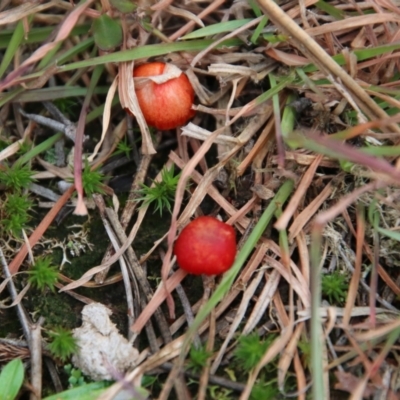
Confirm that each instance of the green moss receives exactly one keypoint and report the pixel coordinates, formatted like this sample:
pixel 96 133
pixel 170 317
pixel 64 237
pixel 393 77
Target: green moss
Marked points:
pixel 57 309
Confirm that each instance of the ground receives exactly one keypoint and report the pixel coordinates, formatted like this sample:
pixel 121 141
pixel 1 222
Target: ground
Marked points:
pixel 290 136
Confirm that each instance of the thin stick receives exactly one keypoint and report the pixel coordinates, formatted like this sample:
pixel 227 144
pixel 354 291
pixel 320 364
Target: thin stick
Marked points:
pixel 23 317
pixel 35 347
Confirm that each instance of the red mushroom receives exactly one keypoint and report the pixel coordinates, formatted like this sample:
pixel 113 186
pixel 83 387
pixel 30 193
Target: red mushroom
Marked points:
pixel 206 246
pixel 167 104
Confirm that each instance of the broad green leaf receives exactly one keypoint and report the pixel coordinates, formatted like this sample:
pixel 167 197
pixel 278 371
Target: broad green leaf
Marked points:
pixel 11 378
pixel 92 391
pixel 89 391
pixel 107 32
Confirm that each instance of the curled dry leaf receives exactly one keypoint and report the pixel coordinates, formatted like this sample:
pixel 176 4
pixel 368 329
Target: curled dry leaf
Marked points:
pixel 129 102
pixel 185 14
pixel 106 117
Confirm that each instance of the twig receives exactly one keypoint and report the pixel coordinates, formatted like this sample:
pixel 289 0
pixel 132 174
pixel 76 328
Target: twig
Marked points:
pixel 35 346
pixel 187 309
pixel 124 270
pixel 205 376
pixel 23 316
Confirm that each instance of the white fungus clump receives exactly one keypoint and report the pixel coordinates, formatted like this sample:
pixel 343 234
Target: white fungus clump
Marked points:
pixel 102 351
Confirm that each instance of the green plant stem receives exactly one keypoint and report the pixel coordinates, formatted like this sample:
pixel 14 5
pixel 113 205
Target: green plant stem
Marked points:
pixel 318 389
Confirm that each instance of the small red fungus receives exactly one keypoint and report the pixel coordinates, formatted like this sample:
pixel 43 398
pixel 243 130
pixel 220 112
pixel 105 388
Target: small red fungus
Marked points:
pixel 206 246
pixel 167 104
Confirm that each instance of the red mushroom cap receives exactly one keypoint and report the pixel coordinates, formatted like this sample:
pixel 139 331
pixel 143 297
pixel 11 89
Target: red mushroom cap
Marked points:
pixel 206 246
pixel 166 105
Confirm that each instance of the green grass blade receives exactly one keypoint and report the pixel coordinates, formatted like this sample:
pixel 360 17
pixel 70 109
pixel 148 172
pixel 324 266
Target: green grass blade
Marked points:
pixel 13 45
pixel 40 148
pixel 11 378
pixel 390 234
pixel 49 57
pixel 148 51
pixel 255 7
pixel 274 90
pixel 317 370
pixel 8 96
pixel 74 51
pixel 47 94
pixel 329 9
pixel 382 151
pixel 288 117
pixel 258 30
pixel 214 29
pixel 38 35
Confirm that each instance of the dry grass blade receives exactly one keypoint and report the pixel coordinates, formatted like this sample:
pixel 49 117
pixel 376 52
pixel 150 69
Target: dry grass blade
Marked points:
pixel 263 301
pixel 303 218
pixel 24 10
pixel 287 356
pixel 247 295
pixel 294 142
pixel 106 118
pixel 355 279
pixel 129 101
pixel 354 22
pixel 159 296
pixel 298 195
